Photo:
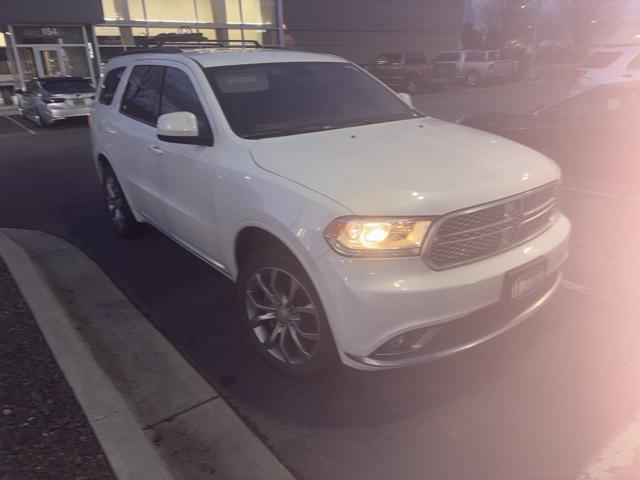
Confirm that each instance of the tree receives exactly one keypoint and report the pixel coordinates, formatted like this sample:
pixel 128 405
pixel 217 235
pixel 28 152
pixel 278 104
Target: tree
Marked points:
pixel 506 20
pixel 471 38
pixel 589 20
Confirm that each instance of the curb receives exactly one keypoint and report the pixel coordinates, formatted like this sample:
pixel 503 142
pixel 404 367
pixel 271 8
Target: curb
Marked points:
pixel 155 417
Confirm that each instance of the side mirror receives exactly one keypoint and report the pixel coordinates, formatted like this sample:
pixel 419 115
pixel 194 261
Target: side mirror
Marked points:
pixel 181 127
pixel 406 98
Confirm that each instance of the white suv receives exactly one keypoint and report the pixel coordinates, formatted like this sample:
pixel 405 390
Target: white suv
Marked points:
pixel 609 65
pixel 355 227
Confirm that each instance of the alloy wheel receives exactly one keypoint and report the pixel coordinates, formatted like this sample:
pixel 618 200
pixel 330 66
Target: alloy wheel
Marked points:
pixel 282 315
pixel 115 201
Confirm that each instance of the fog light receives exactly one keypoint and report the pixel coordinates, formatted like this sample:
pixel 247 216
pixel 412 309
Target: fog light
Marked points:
pixel 402 344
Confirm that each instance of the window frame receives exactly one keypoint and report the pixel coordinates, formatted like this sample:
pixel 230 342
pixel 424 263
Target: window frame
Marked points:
pixel 164 65
pixel 199 96
pixel 122 97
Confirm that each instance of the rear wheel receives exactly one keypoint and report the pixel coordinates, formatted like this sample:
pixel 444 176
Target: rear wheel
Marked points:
pixel 413 85
pixel 473 79
pixel 122 220
pixel 282 314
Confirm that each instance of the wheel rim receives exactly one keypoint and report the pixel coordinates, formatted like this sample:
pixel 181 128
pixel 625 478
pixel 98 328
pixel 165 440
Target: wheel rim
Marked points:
pixel 115 201
pixel 282 315
pixel 472 81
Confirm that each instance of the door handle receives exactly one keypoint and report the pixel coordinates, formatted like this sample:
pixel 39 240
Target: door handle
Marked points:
pixel 155 149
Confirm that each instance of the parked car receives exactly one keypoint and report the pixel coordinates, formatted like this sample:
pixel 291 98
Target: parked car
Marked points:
pixel 609 65
pixel 48 100
pixel 596 133
pixel 356 228
pixel 407 72
pixel 474 67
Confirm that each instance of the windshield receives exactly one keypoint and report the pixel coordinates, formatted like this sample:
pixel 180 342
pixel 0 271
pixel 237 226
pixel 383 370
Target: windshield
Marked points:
pixel 70 85
pixel 276 99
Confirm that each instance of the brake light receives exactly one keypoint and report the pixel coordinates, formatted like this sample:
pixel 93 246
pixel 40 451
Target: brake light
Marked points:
pixel 53 100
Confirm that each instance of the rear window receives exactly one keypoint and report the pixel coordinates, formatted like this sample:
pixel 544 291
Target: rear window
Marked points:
pixel 110 85
pixel 389 59
pixel 448 57
pixel 71 85
pixel 602 59
pixel 416 59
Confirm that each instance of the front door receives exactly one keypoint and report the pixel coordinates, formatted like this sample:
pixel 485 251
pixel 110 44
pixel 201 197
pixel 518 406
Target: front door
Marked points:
pixel 49 61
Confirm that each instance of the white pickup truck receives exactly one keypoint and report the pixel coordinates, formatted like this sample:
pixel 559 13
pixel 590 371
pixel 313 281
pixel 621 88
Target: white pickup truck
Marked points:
pixel 475 67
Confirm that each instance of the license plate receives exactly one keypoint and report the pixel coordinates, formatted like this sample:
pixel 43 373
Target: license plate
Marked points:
pixel 78 101
pixel 522 281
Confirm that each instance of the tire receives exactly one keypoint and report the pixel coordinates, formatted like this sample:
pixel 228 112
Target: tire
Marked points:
pixel 122 220
pixel 412 85
pixel 290 332
pixel 472 79
pixel 42 121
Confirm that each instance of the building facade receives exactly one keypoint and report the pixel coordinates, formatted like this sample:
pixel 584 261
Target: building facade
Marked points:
pixel 73 37
pixel 362 29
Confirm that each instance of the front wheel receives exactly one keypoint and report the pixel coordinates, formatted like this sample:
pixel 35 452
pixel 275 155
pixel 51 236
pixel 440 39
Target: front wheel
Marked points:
pixel 282 314
pixel 473 79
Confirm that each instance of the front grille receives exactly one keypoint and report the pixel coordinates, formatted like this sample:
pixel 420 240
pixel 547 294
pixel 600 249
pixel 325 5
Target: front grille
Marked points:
pixel 484 231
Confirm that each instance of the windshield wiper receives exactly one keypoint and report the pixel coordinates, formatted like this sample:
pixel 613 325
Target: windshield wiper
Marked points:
pixel 289 131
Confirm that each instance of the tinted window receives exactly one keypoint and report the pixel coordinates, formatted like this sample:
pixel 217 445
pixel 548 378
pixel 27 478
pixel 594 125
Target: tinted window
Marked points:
pixel 66 85
pixel 142 97
pixel 389 59
pixel 448 57
pixel 178 95
pixel 475 57
pixel 110 85
pixel 602 59
pixel 635 64
pixel 288 98
pixel 416 59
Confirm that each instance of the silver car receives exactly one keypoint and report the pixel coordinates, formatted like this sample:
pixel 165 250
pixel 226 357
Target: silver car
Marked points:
pixel 51 99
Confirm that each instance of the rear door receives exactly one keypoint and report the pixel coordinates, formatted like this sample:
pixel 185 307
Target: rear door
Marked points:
pixel 133 128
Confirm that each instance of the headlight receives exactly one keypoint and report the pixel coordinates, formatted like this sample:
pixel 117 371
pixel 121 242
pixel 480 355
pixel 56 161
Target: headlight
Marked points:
pixel 377 237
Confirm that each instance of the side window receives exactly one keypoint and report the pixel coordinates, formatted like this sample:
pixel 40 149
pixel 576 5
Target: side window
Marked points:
pixel 635 64
pixel 110 85
pixel 142 96
pixel 475 57
pixel 416 59
pixel 178 95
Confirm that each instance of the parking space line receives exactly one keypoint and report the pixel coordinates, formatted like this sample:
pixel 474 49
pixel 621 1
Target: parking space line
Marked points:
pixel 583 289
pixel 8 117
pixel 620 453
pixel 612 196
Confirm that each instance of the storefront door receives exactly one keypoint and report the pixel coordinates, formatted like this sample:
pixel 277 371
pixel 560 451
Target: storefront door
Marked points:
pixel 49 61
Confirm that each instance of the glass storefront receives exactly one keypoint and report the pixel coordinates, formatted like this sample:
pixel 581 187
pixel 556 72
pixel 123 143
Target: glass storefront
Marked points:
pixel 51 51
pixel 127 21
pixel 78 50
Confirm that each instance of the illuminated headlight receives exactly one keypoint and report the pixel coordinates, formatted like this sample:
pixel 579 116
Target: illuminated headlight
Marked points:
pixel 377 237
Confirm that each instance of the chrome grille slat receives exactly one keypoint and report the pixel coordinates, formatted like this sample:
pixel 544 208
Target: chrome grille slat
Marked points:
pixel 484 231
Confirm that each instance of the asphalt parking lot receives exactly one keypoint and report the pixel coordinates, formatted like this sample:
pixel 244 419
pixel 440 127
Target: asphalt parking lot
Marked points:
pixel 556 398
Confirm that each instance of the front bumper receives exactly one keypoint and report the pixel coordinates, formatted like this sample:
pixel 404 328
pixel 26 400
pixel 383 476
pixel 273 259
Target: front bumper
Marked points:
pixel 370 301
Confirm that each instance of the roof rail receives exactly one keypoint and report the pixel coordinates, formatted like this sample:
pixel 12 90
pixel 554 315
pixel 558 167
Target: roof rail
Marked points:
pixel 193 40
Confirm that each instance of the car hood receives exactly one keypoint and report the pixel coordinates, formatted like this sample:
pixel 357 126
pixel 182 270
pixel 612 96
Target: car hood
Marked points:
pixel 411 167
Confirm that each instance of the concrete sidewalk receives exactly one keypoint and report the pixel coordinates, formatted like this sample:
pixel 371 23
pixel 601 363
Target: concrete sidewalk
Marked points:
pixel 153 414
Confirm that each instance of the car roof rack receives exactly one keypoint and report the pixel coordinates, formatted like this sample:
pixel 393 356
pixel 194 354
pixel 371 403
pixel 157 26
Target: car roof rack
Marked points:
pixel 176 42
pixel 194 39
